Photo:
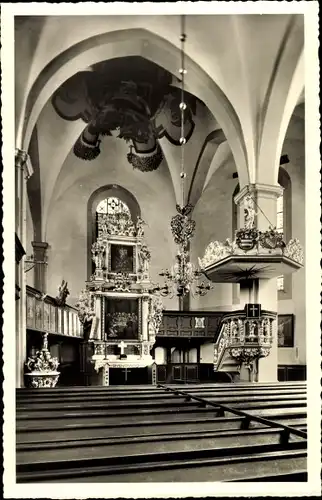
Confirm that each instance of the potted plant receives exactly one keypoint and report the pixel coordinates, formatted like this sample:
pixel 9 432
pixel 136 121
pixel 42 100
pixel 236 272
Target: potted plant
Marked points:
pixel 42 368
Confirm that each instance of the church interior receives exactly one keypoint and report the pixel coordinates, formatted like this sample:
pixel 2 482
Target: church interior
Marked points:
pixel 160 240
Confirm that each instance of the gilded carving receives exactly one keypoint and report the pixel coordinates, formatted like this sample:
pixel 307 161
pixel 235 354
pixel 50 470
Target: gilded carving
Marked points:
pixel 294 251
pixel 216 251
pixel 155 315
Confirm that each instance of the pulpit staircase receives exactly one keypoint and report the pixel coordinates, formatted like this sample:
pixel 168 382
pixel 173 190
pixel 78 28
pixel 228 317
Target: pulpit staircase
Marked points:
pixel 211 432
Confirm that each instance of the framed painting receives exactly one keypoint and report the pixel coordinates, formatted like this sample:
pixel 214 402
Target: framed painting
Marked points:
pixel 121 318
pixel 121 259
pixel 285 330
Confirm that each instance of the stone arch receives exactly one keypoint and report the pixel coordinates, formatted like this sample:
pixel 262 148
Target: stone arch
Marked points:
pixel 110 190
pixel 124 43
pixel 284 90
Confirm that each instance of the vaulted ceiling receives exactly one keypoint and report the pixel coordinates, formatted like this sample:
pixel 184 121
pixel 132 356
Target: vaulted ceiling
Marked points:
pixel 245 80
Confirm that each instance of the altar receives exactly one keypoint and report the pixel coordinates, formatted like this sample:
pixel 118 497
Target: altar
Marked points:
pixel 119 312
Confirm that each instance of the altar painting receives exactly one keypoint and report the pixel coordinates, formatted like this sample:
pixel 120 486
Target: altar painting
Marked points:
pixel 122 259
pixel 121 318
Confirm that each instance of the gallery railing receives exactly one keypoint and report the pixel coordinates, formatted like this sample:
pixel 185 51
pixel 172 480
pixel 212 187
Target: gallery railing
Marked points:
pixel 43 314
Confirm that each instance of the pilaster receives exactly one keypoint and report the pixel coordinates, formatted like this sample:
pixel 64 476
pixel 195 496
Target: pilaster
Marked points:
pixel 23 171
pixel 145 318
pixel 40 256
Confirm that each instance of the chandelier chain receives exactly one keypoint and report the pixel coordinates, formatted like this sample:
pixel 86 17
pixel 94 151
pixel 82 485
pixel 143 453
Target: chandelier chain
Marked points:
pixel 183 277
pixel 182 107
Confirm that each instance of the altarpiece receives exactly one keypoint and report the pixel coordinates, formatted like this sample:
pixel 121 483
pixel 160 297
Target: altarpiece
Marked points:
pixel 119 312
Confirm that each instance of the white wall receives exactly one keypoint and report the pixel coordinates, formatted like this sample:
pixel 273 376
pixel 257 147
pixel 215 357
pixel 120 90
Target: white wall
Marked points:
pixel 29 239
pixel 296 304
pixel 160 356
pixel 213 216
pixel 207 353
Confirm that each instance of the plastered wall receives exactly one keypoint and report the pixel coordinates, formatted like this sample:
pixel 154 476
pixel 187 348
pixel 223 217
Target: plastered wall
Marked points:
pixel 66 226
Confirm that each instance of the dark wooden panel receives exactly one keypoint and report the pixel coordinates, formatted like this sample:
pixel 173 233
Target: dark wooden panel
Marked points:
pixel 191 373
pixel 177 372
pixel 161 373
pixel 190 324
pixel 289 373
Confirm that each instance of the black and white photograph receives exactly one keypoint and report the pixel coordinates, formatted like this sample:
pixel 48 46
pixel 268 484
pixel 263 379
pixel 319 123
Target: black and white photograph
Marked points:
pixel 161 239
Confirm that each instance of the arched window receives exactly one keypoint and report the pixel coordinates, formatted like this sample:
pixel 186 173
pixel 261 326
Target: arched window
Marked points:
pixel 280 229
pixel 234 226
pixel 110 199
pixel 284 225
pixel 111 205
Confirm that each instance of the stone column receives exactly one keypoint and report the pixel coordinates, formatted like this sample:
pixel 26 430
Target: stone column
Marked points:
pixel 23 171
pixel 263 291
pixel 40 256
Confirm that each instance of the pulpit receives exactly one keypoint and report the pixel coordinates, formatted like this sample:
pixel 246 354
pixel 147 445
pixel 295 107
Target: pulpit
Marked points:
pixel 117 305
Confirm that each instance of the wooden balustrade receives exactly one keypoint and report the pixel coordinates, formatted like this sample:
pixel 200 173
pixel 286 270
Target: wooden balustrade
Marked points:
pixel 44 315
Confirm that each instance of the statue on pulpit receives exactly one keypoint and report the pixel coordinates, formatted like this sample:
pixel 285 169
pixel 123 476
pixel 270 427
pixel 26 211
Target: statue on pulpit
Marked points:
pixel 249 212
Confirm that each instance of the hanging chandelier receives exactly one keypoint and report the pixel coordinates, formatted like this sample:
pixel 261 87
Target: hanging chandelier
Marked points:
pixel 183 277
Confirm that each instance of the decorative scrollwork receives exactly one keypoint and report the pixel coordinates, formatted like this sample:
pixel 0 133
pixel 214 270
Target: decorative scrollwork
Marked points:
pixel 182 226
pixel 294 250
pixel 216 251
pixel 271 239
pixel 85 306
pixel 121 282
pixel 155 315
pixel 119 223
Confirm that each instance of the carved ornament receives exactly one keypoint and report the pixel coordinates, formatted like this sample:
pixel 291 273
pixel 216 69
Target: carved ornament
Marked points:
pixel 294 251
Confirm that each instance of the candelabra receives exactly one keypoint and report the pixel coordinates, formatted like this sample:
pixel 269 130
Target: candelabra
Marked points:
pixel 182 278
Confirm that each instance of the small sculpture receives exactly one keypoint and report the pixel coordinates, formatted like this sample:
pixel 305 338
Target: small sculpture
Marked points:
pixel 145 257
pixel 140 227
pixel 234 329
pixel 252 328
pixel 98 255
pixel 63 293
pixel 249 212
